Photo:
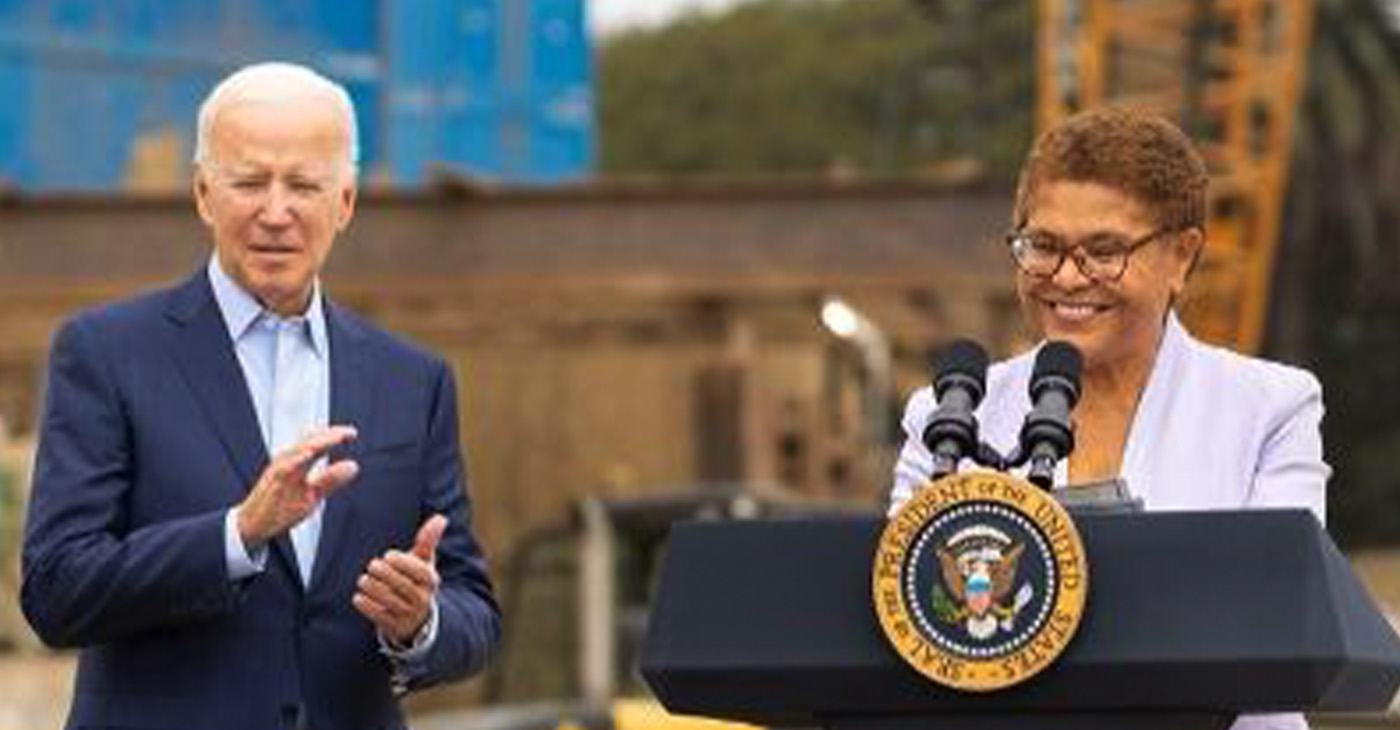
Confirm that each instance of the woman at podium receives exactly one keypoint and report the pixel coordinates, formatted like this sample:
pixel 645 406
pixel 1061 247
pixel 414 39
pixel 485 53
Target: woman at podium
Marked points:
pixel 1109 222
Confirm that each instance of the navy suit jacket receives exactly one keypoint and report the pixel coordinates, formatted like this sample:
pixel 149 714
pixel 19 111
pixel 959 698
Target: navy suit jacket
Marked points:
pixel 148 437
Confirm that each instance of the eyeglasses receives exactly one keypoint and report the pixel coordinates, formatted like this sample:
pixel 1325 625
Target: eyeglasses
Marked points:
pixel 1102 257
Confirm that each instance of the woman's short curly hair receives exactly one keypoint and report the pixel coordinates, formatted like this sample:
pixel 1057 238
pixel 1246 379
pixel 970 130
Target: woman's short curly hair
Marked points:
pixel 1133 151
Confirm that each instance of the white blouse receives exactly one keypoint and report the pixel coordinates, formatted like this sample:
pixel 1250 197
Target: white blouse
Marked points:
pixel 1213 430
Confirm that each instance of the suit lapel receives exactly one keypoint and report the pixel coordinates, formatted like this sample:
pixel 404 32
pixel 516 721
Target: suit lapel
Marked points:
pixel 351 404
pixel 206 358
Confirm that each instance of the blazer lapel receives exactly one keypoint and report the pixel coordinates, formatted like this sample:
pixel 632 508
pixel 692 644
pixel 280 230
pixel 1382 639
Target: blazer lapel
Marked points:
pixel 207 360
pixel 352 404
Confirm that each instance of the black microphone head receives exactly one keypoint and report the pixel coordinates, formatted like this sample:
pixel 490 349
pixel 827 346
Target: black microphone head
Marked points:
pixel 1057 363
pixel 964 363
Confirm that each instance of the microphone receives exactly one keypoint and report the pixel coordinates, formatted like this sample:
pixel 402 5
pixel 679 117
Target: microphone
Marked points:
pixel 1047 436
pixel 961 382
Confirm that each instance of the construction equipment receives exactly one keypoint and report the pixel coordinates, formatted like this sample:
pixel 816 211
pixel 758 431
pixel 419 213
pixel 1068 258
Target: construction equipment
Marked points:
pixel 103 96
pixel 576 598
pixel 1230 72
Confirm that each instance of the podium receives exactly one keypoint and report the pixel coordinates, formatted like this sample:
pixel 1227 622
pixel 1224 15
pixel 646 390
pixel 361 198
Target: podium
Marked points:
pixel 1192 619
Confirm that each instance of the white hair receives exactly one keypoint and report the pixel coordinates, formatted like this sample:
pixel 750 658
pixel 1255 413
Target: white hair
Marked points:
pixel 274 82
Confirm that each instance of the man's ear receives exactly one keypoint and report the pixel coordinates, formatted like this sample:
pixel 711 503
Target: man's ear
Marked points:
pixel 349 193
pixel 199 185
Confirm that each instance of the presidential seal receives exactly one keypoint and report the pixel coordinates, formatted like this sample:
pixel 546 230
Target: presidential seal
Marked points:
pixel 980 580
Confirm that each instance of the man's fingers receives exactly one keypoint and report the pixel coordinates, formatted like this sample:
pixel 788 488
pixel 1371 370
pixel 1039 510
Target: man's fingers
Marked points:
pixel 324 482
pixel 405 571
pixel 396 591
pixel 395 626
pixel 385 595
pixel 371 610
pixel 425 545
pixel 318 442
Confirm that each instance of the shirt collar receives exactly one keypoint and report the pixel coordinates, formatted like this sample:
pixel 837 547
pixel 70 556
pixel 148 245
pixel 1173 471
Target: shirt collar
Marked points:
pixel 241 310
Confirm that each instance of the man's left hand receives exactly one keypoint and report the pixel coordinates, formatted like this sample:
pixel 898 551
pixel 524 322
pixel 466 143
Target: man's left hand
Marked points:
pixel 396 590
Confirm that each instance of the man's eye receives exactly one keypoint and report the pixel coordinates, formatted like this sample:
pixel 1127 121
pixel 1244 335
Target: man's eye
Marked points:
pixel 305 186
pixel 1044 245
pixel 247 184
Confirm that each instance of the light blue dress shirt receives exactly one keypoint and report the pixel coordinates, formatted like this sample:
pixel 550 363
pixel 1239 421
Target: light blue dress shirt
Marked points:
pixel 254 332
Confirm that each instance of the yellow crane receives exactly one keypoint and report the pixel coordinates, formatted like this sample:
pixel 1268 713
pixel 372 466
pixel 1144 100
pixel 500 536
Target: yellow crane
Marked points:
pixel 1230 72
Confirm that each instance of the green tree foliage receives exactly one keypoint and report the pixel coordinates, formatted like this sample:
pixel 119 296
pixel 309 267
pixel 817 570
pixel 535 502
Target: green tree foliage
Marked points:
pixel 1337 302
pixel 816 85
pixel 897 85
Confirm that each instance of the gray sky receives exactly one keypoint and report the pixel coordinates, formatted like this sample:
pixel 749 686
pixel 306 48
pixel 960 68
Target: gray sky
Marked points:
pixel 605 16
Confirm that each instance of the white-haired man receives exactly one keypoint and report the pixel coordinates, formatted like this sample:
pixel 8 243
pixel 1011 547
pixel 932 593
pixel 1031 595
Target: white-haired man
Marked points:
pixel 249 509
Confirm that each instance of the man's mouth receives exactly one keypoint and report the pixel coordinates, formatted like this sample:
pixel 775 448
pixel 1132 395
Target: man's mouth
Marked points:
pixel 272 249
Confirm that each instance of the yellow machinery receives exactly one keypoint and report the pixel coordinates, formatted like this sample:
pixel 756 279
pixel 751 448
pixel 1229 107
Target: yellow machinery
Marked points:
pixel 1230 71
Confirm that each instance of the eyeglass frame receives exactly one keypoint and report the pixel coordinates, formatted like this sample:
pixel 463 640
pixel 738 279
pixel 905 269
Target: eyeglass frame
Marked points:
pixel 1079 255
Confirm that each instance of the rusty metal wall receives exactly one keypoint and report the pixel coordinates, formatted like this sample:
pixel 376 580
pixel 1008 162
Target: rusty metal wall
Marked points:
pixel 593 329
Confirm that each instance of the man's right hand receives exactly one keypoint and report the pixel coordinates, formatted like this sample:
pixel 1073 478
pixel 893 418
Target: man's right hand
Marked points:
pixel 288 490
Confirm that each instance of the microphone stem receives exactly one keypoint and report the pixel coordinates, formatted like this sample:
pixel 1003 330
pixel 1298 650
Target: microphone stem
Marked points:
pixel 1042 471
pixel 945 460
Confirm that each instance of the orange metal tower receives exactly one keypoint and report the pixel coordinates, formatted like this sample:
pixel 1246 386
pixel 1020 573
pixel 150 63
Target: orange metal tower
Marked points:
pixel 1230 72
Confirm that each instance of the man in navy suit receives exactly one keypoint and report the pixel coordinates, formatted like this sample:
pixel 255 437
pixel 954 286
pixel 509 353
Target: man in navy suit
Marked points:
pixel 249 508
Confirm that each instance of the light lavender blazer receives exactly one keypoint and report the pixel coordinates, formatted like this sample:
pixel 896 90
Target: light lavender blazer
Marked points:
pixel 1214 430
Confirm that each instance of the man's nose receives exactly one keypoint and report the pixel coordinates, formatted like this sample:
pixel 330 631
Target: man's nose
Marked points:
pixel 277 209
